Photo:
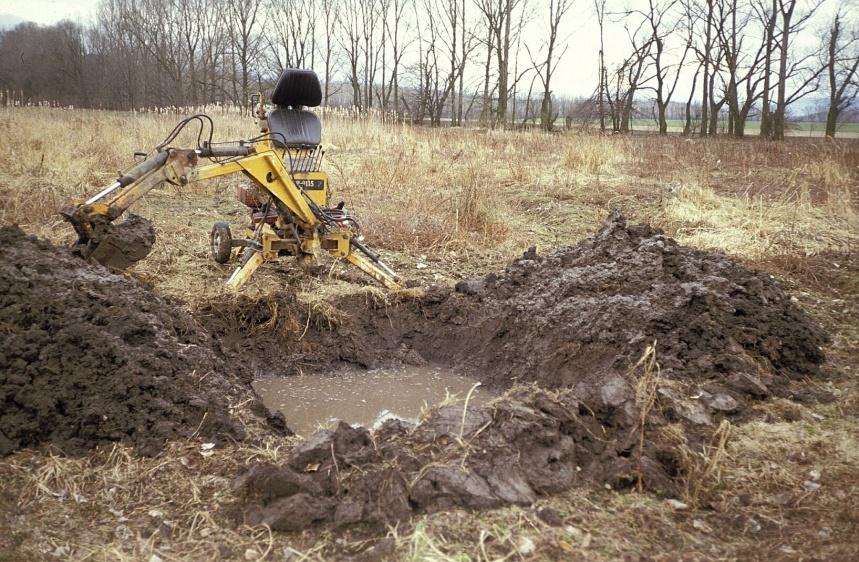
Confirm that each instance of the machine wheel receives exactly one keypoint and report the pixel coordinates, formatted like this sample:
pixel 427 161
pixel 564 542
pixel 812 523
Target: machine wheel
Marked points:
pixel 221 241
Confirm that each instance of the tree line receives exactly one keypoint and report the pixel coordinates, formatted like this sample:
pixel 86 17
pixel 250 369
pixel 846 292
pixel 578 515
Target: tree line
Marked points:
pixel 448 61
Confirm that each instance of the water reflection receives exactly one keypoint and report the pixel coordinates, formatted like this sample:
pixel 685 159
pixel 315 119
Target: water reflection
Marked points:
pixel 363 397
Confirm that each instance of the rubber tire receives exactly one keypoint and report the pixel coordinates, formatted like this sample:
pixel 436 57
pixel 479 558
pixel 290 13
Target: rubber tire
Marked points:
pixel 221 242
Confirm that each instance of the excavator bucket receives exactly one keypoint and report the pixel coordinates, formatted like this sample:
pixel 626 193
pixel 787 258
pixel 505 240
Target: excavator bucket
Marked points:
pixel 118 245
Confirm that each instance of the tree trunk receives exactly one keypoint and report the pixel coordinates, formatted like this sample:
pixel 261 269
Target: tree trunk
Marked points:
pixel 705 102
pixel 834 102
pixel 766 115
pixel 832 120
pixel 687 126
pixel 781 101
pixel 486 110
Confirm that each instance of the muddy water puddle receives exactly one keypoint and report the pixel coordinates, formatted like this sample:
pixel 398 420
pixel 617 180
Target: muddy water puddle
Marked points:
pixel 367 398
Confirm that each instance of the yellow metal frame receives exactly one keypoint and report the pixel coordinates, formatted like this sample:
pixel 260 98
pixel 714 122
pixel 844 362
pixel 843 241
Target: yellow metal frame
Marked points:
pixel 266 167
pixel 265 164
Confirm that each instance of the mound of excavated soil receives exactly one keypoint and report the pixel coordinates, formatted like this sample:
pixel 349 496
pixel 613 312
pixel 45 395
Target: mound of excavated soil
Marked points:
pixel 582 315
pixel 88 357
pixel 595 305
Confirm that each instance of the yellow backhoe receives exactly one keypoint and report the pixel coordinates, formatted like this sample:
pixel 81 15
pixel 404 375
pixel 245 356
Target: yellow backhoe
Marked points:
pixel 286 191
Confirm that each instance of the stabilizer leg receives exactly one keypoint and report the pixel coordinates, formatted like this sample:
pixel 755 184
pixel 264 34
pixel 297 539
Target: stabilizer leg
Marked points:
pixel 244 271
pixel 375 271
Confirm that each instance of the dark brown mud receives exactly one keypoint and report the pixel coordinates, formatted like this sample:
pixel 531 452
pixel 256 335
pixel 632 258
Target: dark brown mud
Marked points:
pixel 88 357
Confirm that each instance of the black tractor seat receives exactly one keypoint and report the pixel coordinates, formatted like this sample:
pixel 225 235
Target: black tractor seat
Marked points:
pixel 294 128
pixel 291 125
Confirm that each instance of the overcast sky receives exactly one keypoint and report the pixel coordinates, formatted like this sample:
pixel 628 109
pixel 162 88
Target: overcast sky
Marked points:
pixel 576 73
pixel 50 11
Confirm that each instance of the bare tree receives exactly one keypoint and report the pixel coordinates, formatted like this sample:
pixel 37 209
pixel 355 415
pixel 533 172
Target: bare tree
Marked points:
pixel 546 67
pixel 700 16
pixel 468 44
pixel 459 42
pixel 245 31
pixel 330 14
pixel 687 125
pixel 436 79
pixel 741 64
pixel 213 48
pixel 841 64
pixel 350 42
pixel 498 17
pixel 705 55
pixel 486 105
pixel 662 22
pixel 370 15
pixel 395 26
pixel 515 78
pixel 291 29
pixel 629 77
pixel 602 88
pixel 790 22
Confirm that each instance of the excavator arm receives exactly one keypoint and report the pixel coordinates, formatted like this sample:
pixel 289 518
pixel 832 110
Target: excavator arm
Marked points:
pixel 99 237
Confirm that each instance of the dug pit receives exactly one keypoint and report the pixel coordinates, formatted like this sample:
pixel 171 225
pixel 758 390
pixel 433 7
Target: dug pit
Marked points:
pixel 625 354
pixel 581 316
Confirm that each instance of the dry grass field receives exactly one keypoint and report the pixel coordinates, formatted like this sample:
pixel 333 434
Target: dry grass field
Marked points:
pixel 459 203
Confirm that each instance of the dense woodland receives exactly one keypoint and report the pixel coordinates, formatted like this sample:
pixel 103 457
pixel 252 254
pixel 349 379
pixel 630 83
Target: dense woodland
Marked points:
pixel 713 64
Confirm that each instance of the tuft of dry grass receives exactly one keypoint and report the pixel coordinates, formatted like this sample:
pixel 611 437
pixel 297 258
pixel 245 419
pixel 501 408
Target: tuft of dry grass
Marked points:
pixel 645 387
pixel 701 471
pixel 594 154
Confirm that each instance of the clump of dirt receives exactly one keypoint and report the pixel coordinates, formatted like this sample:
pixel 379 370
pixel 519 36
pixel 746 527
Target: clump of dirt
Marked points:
pixel 119 245
pixel 89 357
pixel 127 243
pixel 529 443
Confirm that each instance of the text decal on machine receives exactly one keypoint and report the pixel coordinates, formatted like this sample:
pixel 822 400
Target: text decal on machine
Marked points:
pixel 310 185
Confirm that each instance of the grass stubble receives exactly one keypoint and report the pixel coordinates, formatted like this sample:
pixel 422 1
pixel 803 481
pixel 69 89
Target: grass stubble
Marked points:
pixel 442 205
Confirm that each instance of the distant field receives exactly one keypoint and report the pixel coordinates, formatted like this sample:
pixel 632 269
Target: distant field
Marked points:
pixel 799 129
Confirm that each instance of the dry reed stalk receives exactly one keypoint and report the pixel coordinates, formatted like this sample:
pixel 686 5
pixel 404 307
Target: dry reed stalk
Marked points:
pixel 646 385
